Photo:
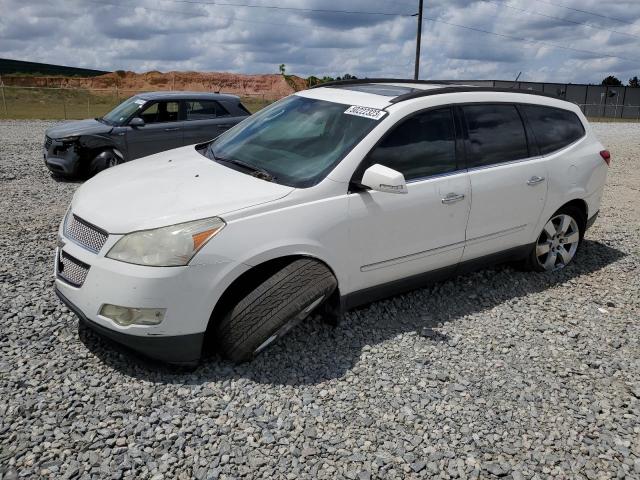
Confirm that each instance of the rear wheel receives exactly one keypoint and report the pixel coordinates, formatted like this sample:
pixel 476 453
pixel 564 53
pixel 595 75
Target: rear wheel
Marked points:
pixel 558 242
pixel 272 309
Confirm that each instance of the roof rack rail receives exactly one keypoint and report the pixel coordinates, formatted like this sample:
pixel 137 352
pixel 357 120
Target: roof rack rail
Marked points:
pixel 464 88
pixel 360 81
pixel 448 86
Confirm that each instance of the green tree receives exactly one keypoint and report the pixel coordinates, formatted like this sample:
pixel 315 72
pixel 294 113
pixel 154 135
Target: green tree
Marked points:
pixel 282 68
pixel 313 80
pixel 634 82
pixel 612 81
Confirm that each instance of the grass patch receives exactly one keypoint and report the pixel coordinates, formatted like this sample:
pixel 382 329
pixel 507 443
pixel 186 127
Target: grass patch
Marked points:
pixel 73 104
pixel 49 104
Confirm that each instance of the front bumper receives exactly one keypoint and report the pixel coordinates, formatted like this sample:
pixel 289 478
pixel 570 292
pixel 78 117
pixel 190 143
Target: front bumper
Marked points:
pixel 178 350
pixel 61 159
pixel 187 293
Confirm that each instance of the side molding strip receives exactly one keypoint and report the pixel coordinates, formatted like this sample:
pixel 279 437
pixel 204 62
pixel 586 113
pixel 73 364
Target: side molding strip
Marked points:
pixel 438 250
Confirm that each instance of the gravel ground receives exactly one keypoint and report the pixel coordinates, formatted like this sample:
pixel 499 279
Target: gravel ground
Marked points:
pixel 496 374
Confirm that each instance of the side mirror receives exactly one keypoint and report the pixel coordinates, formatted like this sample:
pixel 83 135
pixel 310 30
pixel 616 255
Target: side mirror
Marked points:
pixel 136 122
pixel 384 179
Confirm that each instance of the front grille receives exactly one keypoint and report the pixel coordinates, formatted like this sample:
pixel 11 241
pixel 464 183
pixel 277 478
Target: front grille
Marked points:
pixel 84 234
pixel 47 142
pixel 72 270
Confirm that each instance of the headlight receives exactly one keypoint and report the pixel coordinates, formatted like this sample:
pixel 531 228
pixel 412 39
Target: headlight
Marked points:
pixel 167 246
pixel 69 139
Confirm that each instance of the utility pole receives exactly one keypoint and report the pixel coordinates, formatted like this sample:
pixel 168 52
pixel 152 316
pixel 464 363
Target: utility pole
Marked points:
pixel 418 40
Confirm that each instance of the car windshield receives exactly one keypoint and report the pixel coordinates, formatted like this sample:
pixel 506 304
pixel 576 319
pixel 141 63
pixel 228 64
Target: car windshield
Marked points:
pixel 124 111
pixel 296 141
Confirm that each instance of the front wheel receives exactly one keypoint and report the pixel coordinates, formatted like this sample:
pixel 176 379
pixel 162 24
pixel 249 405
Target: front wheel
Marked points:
pixel 272 309
pixel 558 242
pixel 104 160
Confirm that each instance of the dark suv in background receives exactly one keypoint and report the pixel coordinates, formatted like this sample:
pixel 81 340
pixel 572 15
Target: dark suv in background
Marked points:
pixel 142 125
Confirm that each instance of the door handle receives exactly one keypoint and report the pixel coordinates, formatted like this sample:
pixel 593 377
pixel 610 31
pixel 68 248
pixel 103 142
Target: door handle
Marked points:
pixel 452 198
pixel 535 180
pixel 173 129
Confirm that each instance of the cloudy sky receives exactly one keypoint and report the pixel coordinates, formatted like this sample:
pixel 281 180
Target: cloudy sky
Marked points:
pixel 226 35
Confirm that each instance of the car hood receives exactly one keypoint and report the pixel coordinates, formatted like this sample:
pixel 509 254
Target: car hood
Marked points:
pixel 77 127
pixel 167 188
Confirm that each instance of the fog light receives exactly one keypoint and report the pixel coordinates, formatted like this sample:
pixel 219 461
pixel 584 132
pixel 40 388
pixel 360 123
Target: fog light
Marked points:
pixel 125 316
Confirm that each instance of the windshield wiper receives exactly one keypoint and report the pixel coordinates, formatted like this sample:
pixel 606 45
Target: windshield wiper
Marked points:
pixel 257 172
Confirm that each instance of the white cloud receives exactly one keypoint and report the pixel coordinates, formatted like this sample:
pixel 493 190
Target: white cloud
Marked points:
pixel 165 35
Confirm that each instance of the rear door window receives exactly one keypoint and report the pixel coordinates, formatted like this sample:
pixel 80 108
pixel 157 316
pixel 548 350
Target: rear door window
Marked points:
pixel 554 128
pixel 420 146
pixel 161 112
pixel 204 110
pixel 495 134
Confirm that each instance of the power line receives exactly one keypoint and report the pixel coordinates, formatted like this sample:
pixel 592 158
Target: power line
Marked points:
pixel 531 12
pixel 294 9
pixel 425 18
pixel 587 12
pixel 231 19
pixel 192 14
pixel 133 7
pixel 526 40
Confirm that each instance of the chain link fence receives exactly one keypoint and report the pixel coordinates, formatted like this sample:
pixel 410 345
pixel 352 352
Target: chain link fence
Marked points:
pixel 54 103
pixel 598 102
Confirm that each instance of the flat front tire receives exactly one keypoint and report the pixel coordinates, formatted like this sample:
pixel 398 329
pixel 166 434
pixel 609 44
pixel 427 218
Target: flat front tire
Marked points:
pixel 272 309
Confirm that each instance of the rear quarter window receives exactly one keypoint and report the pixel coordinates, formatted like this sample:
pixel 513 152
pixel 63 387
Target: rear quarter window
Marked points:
pixel 204 109
pixel 243 108
pixel 554 128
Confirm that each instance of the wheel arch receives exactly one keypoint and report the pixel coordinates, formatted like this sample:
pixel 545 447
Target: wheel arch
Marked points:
pixel 250 279
pixel 582 206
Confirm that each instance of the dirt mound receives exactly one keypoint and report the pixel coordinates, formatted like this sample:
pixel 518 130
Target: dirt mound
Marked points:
pixel 269 86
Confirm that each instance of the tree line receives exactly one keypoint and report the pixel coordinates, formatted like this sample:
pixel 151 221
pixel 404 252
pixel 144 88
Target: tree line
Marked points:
pixel 615 82
pixel 611 80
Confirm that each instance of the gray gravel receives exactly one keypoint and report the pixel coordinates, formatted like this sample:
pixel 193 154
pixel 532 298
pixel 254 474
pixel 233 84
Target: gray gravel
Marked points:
pixel 495 374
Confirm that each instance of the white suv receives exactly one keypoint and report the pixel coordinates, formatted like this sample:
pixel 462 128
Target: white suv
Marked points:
pixel 327 199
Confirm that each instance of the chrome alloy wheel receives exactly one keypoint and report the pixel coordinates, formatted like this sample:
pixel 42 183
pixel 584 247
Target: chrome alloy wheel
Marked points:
pixel 113 161
pixel 558 242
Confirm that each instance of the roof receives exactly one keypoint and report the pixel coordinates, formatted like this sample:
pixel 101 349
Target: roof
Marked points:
pixel 381 93
pixel 177 95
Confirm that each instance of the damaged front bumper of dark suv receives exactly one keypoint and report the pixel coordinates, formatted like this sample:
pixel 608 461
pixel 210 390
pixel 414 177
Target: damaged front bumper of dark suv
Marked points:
pixel 62 156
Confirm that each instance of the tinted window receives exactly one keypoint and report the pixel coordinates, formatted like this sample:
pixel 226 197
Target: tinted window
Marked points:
pixel 244 109
pixel 298 140
pixel 420 146
pixel 160 112
pixel 553 128
pixel 496 134
pixel 122 112
pixel 204 109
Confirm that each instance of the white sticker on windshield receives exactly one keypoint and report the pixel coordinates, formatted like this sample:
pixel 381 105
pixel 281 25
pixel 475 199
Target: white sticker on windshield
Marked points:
pixel 366 112
pixel 140 101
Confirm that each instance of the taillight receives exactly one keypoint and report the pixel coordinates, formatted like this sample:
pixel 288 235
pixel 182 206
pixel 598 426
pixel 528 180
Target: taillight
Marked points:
pixel 606 156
